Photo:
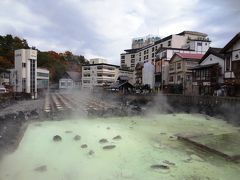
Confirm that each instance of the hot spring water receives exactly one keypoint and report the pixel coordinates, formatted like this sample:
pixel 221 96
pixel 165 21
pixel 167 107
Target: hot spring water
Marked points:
pixel 145 149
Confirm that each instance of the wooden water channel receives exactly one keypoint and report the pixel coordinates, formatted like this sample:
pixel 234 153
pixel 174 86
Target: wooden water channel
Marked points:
pixel 58 103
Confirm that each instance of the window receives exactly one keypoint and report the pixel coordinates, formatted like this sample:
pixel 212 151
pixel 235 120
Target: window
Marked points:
pixel 171 79
pixel 69 83
pixel 23 65
pixel 169 43
pixel 86 81
pixel 152 55
pixel 178 65
pixel 132 61
pixel 140 54
pixel 161 45
pixel 86 68
pixel 122 57
pixel 164 54
pixel 228 63
pixel 199 44
pixel 188 77
pixel 42 74
pixel 178 78
pixel 122 61
pixel 62 84
pixel 152 49
pixel 133 56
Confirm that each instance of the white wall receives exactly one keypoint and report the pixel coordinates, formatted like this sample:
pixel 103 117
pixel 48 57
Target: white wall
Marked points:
pixel 148 74
pixel 24 56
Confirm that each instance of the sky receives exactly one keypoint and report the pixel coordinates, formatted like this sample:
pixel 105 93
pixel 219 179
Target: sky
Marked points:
pixel 104 28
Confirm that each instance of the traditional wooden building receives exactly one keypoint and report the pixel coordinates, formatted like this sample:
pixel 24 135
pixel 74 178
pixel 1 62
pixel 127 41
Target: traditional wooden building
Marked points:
pixel 179 73
pixel 139 74
pixel 232 66
pixel 207 77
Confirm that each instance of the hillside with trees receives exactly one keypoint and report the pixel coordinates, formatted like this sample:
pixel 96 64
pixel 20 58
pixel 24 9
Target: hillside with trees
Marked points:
pixel 56 63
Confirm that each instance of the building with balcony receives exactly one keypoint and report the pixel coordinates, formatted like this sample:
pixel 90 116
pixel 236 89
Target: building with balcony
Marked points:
pixel 99 74
pixel 146 49
pixel 232 66
pixel 207 77
pixel 180 73
pixel 189 42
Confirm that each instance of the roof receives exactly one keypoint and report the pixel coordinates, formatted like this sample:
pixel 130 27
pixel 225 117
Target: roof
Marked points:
pixel 189 55
pixel 75 76
pixel 117 85
pixel 203 66
pixel 193 33
pixel 214 51
pixel 102 64
pixel 231 42
pixel 123 78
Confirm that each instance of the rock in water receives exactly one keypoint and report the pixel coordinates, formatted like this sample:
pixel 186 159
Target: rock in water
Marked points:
pixel 77 138
pixel 103 141
pixel 84 146
pixel 159 166
pixel 117 137
pixel 108 128
pixel 109 147
pixel 41 168
pixel 68 132
pixel 91 152
pixel 57 138
pixel 169 163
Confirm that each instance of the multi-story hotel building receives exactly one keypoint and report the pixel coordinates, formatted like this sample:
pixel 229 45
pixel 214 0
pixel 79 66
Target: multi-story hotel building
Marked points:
pixel 143 50
pixel 160 51
pixel 98 73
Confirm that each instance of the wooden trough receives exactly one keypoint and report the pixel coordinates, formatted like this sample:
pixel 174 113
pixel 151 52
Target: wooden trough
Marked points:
pixel 225 145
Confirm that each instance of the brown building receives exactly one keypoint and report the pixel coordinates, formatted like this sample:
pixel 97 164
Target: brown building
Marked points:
pixel 180 73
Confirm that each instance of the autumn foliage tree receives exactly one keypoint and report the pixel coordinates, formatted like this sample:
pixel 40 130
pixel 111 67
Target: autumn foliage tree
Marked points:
pixel 56 63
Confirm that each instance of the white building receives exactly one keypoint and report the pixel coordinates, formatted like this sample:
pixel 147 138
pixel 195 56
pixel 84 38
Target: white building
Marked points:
pixel 26 67
pixel 145 49
pixel 70 80
pixel 148 74
pixel 42 79
pixel 98 73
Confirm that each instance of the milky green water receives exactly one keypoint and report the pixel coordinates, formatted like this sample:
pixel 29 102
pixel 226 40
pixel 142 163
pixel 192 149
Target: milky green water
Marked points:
pixel 145 141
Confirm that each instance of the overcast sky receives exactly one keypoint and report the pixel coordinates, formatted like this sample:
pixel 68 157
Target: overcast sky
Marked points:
pixel 104 28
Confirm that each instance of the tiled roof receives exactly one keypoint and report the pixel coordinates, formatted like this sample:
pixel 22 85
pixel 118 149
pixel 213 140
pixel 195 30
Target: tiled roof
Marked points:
pixel 190 56
pixel 75 76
